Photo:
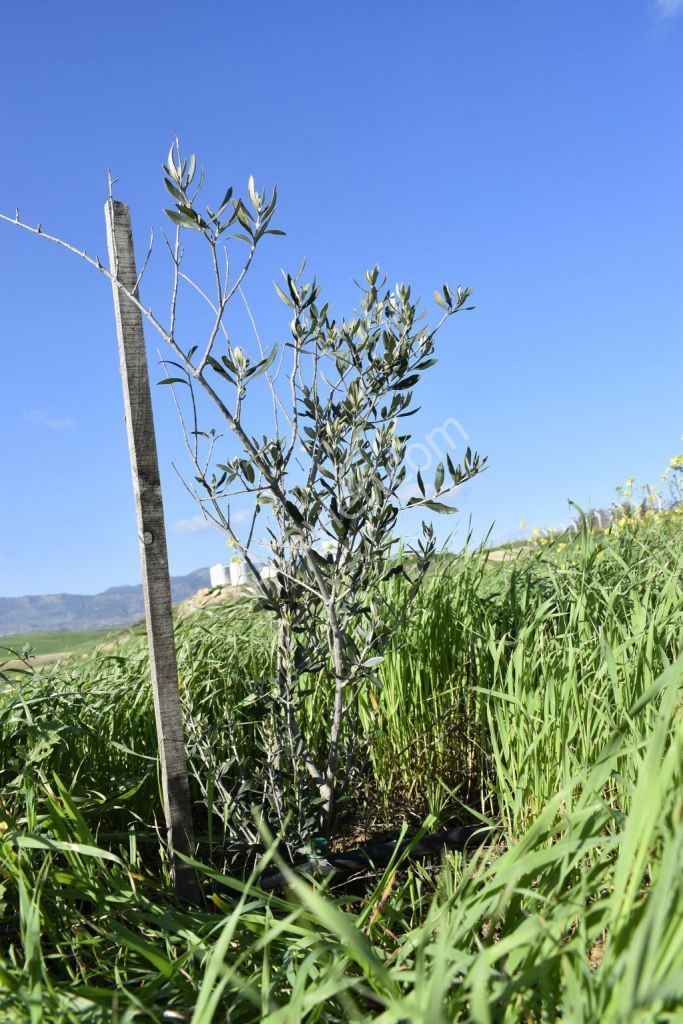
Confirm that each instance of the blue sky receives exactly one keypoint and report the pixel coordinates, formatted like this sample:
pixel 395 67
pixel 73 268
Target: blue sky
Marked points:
pixel 531 150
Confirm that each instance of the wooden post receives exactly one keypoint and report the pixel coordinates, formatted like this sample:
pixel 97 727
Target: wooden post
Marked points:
pixel 153 555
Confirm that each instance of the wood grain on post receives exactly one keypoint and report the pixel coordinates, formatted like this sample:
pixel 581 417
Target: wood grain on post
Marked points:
pixel 153 555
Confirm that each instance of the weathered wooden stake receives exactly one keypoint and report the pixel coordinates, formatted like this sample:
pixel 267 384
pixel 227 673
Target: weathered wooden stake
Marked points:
pixel 153 555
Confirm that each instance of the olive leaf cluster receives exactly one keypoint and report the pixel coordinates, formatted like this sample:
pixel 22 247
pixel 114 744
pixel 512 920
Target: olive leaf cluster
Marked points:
pixel 179 181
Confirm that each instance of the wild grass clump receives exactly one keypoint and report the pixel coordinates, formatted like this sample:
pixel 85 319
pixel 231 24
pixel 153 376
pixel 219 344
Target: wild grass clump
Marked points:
pixel 542 694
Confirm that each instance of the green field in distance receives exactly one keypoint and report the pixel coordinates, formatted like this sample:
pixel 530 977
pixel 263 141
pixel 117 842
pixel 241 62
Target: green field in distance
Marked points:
pixel 57 642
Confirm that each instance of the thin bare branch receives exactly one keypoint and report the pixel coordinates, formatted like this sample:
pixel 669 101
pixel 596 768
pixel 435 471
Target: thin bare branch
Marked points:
pixel 99 266
pixel 146 260
pixel 222 307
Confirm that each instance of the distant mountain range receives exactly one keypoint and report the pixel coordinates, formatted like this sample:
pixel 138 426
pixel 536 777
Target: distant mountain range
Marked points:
pixel 118 606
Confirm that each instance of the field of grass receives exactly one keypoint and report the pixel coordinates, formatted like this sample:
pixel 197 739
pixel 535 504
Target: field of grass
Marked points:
pixel 58 642
pixel 540 696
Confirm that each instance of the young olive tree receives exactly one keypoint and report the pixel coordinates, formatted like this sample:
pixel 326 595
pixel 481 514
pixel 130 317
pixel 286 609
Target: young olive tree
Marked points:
pixel 326 483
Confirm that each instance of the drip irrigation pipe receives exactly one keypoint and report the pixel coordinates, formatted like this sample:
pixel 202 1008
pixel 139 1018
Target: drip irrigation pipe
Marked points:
pixel 378 855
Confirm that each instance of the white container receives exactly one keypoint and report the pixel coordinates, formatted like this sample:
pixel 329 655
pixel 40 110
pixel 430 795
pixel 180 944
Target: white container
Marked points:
pixel 238 574
pixel 218 576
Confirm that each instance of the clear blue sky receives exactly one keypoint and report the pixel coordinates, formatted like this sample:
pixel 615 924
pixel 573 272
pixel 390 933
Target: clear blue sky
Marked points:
pixel 532 150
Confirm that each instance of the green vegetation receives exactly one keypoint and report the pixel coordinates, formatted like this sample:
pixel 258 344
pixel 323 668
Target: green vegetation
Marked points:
pixel 58 642
pixel 542 694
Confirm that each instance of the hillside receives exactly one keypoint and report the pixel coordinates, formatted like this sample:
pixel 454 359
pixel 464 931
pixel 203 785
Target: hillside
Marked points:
pixel 117 606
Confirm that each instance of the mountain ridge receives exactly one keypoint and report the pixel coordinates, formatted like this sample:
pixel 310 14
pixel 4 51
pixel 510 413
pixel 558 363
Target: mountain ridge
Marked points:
pixel 117 606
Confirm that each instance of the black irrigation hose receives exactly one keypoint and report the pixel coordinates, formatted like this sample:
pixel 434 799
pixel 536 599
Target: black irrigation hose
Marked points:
pixel 378 855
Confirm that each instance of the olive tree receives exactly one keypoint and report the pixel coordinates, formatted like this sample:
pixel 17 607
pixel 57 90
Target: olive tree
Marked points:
pixel 326 481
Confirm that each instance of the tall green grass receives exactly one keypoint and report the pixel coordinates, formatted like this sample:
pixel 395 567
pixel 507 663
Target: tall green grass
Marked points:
pixel 543 694
pixel 509 676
